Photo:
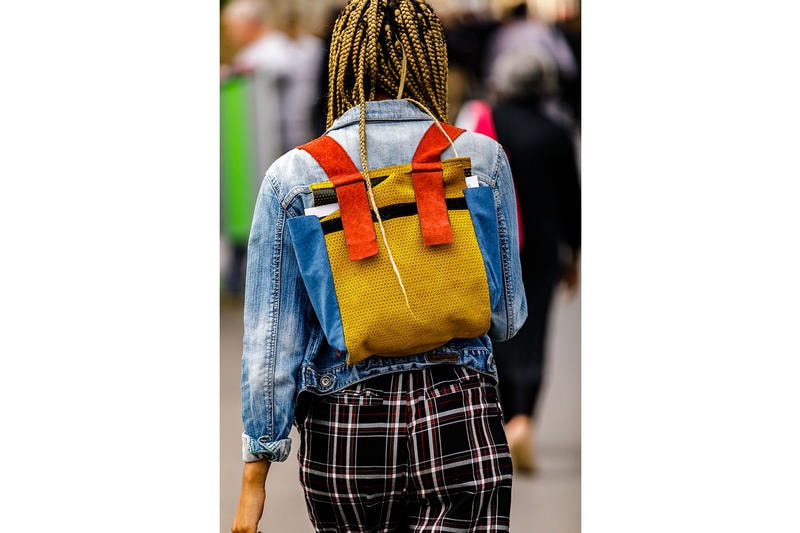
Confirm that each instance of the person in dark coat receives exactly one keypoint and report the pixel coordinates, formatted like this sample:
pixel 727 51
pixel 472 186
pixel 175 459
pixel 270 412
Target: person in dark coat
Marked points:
pixel 543 161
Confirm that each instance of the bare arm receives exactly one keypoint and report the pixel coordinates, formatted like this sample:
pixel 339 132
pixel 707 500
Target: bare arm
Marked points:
pixel 251 499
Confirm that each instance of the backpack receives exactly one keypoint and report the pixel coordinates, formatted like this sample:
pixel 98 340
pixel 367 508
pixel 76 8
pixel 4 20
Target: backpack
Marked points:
pixel 440 276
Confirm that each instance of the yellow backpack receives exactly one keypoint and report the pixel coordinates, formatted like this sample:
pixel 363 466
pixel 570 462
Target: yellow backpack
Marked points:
pixel 434 273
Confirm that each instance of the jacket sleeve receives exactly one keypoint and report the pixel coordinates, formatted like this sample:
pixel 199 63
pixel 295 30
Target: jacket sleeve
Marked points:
pixel 512 309
pixel 276 334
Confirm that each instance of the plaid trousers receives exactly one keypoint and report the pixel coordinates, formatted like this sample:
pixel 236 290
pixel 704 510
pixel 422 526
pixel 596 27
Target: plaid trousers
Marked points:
pixel 414 451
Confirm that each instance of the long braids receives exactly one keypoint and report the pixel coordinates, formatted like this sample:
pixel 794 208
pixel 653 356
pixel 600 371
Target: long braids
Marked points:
pixel 371 42
pixel 389 47
pixel 377 32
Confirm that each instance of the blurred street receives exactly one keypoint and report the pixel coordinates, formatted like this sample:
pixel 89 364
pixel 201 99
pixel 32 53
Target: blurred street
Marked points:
pixel 549 502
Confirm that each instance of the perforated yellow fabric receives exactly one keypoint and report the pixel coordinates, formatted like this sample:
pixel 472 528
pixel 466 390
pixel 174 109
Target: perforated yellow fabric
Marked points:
pixel 446 284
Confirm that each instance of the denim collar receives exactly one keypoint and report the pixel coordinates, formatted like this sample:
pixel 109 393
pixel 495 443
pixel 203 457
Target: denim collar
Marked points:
pixel 382 110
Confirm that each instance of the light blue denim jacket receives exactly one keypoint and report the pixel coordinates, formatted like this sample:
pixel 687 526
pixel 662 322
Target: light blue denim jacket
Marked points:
pixel 285 352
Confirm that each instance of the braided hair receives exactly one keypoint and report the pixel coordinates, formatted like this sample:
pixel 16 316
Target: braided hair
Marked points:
pixel 369 42
pixel 386 47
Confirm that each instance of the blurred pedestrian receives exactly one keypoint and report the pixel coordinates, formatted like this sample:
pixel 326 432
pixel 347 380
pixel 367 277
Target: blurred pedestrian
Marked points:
pixel 543 162
pixel 279 60
pixel 570 28
pixel 521 30
pixel 467 33
pixel 255 41
pixel 286 51
pixel 406 443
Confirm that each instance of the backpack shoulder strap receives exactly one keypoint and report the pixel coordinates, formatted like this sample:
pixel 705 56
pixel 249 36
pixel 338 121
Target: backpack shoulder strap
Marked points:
pixel 426 171
pixel 351 193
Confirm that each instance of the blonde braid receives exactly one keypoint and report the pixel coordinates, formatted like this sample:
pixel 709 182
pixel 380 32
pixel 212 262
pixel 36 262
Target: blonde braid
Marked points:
pixel 345 48
pixel 335 64
pixel 388 77
pixel 435 54
pixel 353 54
pixel 364 60
pixel 372 33
pixel 361 33
pixel 367 50
pixel 439 57
pixel 417 63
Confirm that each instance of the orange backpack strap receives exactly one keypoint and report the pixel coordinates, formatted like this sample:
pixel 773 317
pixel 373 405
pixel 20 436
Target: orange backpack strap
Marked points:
pixel 351 192
pixel 426 171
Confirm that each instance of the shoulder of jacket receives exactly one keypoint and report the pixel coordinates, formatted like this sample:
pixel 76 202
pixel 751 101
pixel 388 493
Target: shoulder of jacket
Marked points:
pixel 295 168
pixel 478 141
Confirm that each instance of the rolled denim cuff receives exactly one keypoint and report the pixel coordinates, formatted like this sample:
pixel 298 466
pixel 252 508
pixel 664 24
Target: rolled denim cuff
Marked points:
pixel 260 449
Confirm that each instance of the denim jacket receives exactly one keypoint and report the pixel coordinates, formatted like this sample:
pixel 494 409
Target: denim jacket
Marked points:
pixel 284 349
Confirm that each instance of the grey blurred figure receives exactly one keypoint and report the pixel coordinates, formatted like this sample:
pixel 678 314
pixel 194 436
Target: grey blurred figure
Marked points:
pixel 519 30
pixel 281 61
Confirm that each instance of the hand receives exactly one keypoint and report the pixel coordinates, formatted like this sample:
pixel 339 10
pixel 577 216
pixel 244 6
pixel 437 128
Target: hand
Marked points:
pixel 251 499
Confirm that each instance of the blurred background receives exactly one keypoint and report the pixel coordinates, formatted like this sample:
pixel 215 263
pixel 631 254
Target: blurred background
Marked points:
pixel 273 85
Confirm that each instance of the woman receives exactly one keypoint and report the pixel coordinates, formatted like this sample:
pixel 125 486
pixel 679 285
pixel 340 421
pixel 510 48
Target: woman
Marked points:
pixel 388 443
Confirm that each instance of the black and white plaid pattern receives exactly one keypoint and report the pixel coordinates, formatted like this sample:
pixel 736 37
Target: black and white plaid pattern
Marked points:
pixel 413 451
